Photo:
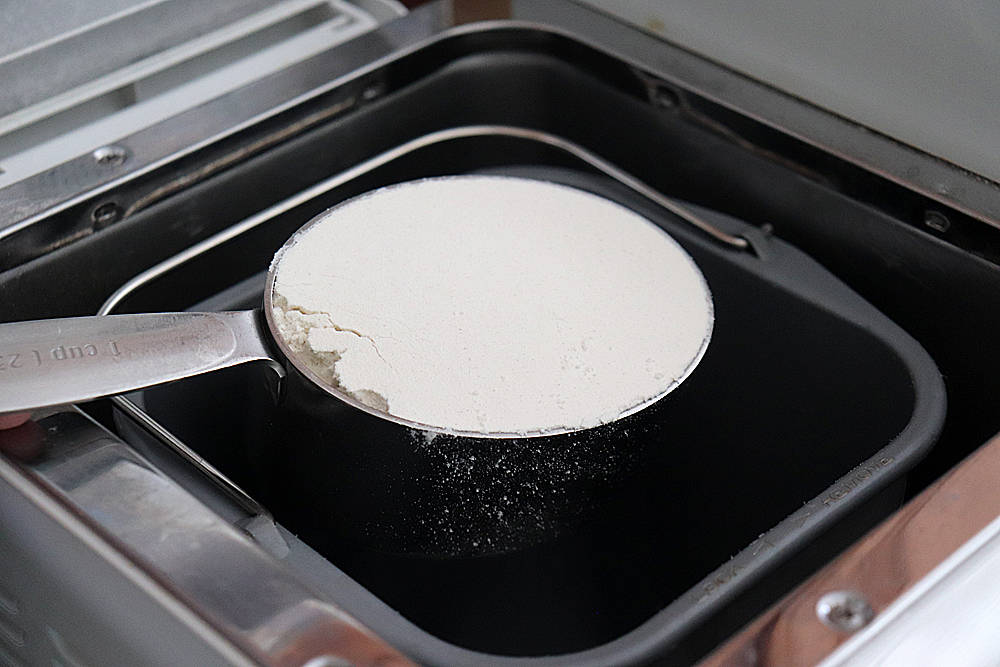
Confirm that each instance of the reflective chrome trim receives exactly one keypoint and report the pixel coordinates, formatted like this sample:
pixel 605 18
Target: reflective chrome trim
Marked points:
pixel 34 199
pixel 235 595
pixel 948 617
pixel 25 498
pixel 915 570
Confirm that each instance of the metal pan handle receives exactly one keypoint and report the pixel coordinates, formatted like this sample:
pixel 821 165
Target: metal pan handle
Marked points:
pixel 54 362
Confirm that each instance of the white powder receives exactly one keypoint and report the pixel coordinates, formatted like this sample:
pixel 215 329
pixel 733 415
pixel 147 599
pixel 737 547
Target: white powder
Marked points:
pixel 492 305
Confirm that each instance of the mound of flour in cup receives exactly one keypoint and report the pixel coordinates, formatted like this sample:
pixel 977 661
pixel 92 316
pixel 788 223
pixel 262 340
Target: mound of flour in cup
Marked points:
pixel 492 305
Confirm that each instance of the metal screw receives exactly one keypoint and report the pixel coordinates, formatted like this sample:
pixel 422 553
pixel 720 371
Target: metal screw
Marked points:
pixel 372 91
pixel 666 98
pixel 937 221
pixel 110 156
pixel 105 214
pixel 844 611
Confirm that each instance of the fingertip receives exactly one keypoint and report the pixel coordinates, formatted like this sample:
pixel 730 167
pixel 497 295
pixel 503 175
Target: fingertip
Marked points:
pixel 13 419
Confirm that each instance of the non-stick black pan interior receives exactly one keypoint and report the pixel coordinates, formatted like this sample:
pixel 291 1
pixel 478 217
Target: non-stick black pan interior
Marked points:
pixel 789 397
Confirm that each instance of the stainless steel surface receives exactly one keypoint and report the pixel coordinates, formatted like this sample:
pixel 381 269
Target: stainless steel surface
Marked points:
pixel 202 559
pixel 30 201
pixel 846 611
pixel 916 70
pixel 57 362
pixel 949 617
pixel 101 82
pixel 112 156
pixel 59 57
pixel 257 521
pixel 850 141
pixel 75 615
pixel 921 571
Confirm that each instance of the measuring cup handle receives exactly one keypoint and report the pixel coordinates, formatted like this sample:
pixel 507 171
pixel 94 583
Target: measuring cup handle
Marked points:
pixel 53 362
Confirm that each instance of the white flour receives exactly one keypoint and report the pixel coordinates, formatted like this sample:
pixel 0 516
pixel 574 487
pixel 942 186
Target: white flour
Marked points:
pixel 492 305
